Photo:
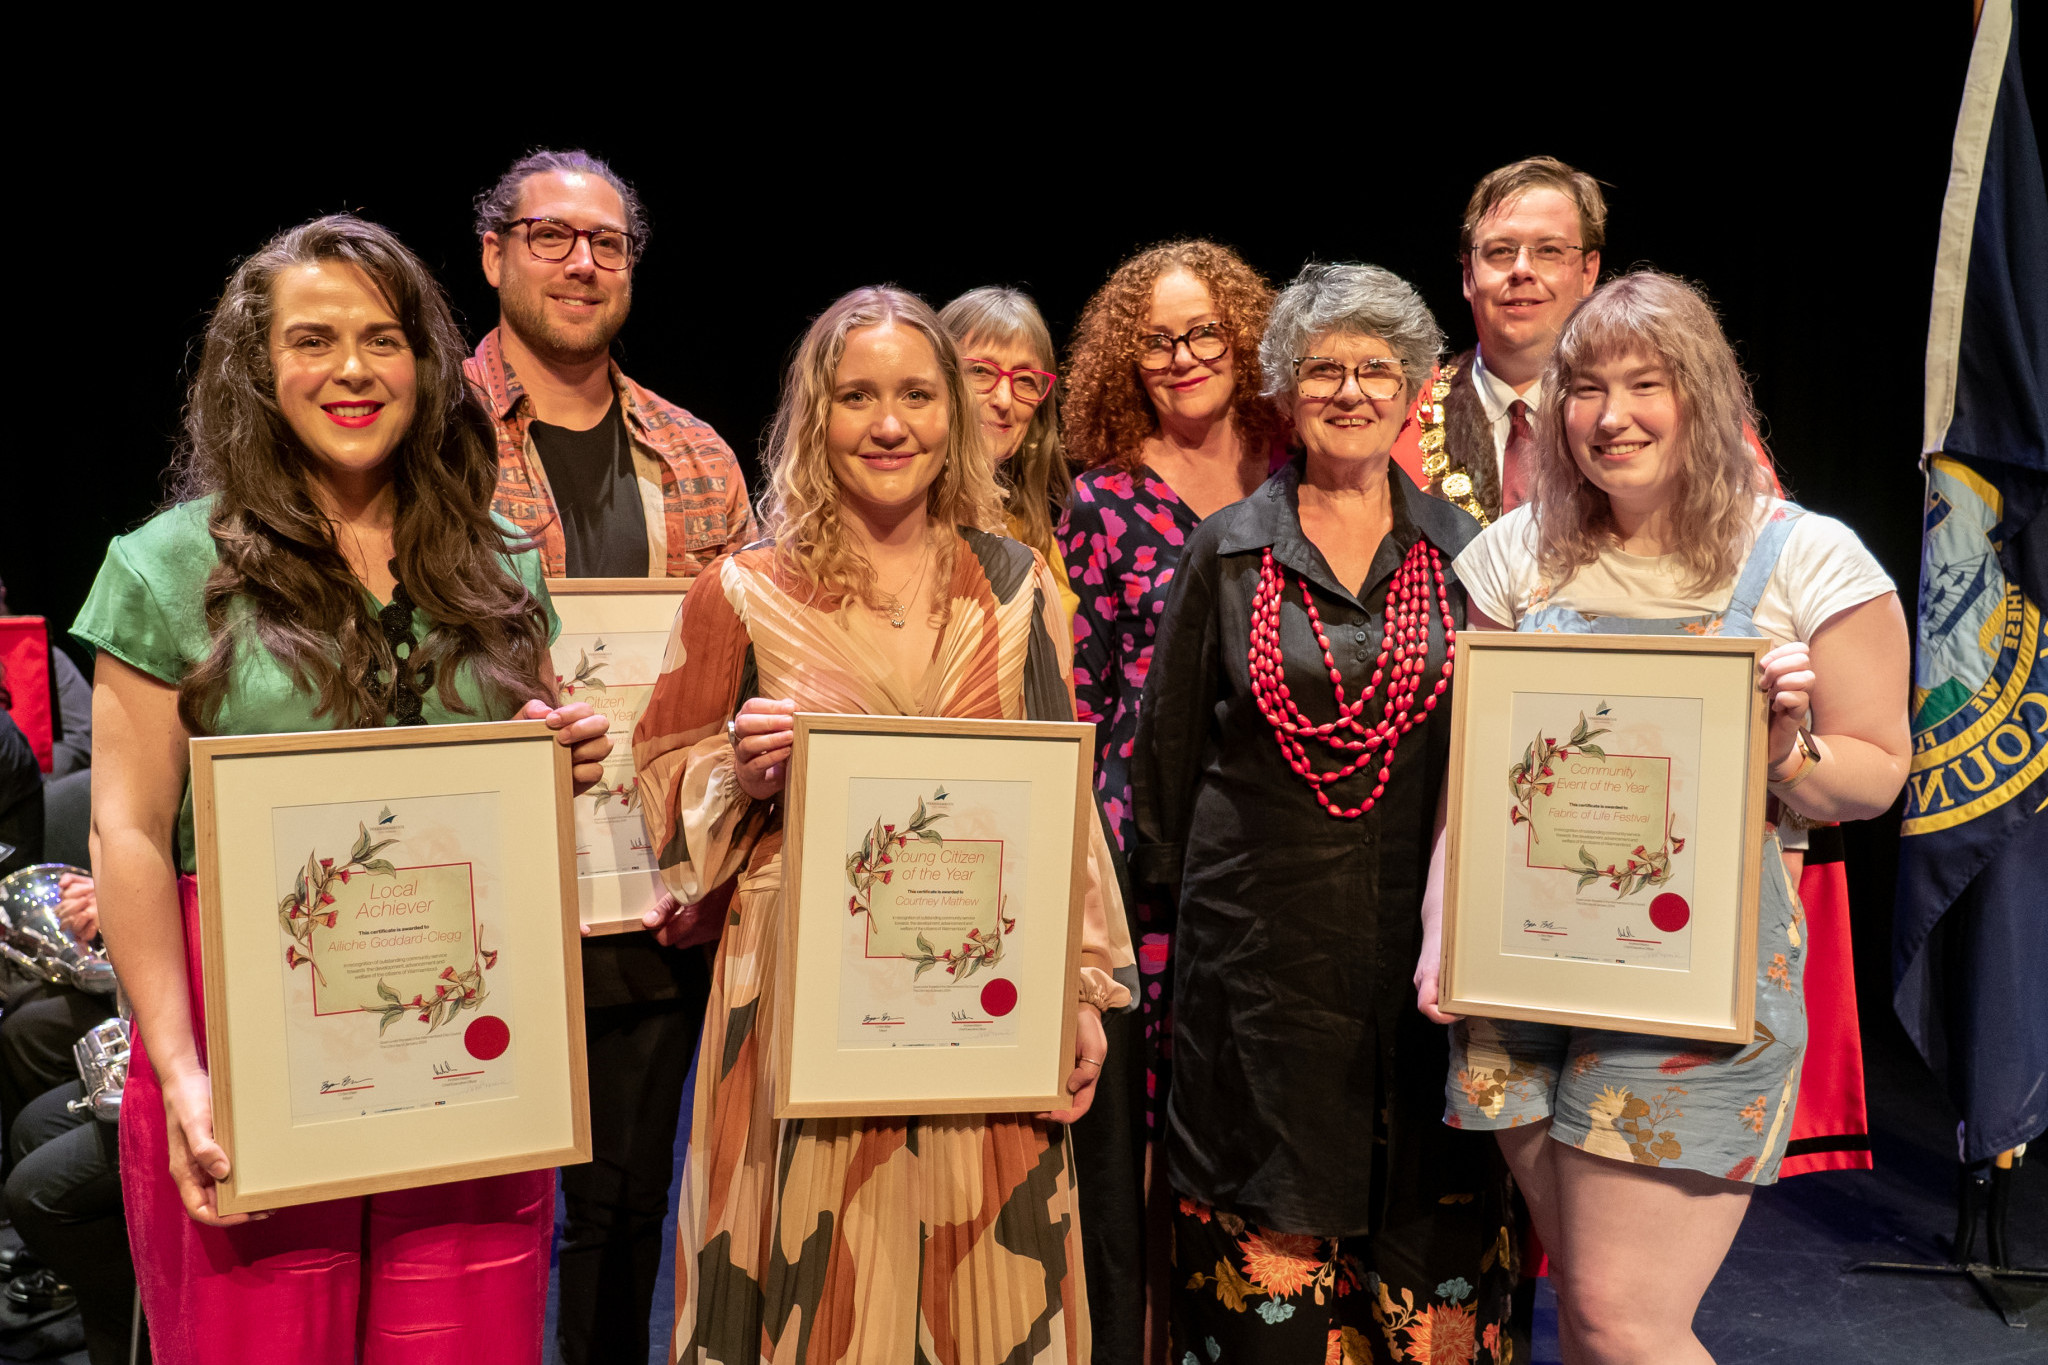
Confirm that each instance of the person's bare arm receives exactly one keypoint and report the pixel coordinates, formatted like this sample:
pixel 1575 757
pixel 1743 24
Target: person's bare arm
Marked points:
pixel 1854 674
pixel 140 762
pixel 1430 964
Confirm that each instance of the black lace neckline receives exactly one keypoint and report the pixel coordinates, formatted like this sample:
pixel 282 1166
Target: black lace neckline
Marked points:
pixel 403 696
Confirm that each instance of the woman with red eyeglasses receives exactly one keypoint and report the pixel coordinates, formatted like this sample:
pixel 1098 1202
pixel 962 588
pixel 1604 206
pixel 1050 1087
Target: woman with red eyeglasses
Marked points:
pixel 1006 350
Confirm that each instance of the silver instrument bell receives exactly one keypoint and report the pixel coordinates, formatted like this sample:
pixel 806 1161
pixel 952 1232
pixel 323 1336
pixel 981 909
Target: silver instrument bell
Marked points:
pixel 34 939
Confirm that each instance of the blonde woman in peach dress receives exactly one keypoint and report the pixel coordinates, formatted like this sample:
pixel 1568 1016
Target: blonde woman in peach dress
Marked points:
pixel 879 592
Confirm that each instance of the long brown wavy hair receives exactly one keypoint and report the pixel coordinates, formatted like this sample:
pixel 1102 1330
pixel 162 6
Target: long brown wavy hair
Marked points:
pixel 1713 517
pixel 802 507
pixel 1108 414
pixel 1035 480
pixel 282 582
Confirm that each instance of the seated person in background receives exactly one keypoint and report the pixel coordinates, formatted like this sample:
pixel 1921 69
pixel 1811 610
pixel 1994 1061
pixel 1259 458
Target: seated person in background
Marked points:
pixel 65 1199
pixel 42 1019
pixel 71 710
pixel 21 794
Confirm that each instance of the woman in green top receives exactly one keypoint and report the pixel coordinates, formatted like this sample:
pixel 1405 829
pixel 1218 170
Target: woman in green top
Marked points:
pixel 332 563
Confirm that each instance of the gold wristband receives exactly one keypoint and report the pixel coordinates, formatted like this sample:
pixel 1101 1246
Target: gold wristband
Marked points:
pixel 1809 753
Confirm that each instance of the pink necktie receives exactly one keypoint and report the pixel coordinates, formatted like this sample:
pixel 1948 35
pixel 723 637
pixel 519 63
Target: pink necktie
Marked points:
pixel 1516 459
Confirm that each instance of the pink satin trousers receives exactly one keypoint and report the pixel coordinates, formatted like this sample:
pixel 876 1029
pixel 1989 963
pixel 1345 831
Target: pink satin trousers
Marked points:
pixel 451 1273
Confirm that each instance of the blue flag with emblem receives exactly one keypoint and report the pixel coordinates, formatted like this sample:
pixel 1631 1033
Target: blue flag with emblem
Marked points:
pixel 1970 933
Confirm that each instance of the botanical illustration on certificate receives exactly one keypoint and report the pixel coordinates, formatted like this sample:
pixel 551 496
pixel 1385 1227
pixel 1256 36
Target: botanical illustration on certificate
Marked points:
pixel 1603 798
pixel 393 994
pixel 932 871
pixel 615 672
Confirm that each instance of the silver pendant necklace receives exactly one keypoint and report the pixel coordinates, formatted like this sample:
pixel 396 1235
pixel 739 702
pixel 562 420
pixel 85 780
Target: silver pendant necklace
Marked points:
pixel 896 607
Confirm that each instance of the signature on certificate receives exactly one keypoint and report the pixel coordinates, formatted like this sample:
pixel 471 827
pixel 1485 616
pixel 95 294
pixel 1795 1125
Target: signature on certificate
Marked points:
pixel 881 1019
pixel 345 1083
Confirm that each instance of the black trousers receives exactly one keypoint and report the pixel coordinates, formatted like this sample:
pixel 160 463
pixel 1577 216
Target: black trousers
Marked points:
pixel 65 1199
pixel 40 1023
pixel 611 1249
pixel 1109 1184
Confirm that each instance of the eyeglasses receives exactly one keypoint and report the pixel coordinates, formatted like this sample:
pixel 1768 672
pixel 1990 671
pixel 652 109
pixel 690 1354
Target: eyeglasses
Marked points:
pixel 1206 342
pixel 1546 257
pixel 1318 376
pixel 1027 385
pixel 550 239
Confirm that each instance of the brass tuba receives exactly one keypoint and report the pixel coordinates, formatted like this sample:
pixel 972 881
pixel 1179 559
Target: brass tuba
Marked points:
pixel 33 939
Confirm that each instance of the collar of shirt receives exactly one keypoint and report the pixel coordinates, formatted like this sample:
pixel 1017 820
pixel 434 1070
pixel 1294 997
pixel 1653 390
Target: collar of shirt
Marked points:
pixel 1272 516
pixel 505 393
pixel 1496 395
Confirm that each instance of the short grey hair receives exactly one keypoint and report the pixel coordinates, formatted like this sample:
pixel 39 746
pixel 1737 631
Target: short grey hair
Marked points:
pixel 1365 300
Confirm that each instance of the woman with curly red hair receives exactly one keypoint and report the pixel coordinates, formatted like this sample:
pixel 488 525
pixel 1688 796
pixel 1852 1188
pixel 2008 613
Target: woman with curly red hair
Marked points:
pixel 1164 406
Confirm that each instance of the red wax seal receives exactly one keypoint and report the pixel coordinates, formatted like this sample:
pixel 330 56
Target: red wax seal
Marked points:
pixel 487 1038
pixel 998 998
pixel 1669 912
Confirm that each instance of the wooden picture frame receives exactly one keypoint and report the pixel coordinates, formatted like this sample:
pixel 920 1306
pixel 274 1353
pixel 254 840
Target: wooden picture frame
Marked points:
pixel 1564 902
pixel 390 958
pixel 991 841
pixel 629 620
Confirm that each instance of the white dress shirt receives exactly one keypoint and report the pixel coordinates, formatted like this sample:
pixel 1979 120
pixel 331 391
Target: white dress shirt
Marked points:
pixel 1495 397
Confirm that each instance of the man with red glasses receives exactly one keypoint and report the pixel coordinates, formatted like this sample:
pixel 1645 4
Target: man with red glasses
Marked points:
pixel 1530 244
pixel 615 482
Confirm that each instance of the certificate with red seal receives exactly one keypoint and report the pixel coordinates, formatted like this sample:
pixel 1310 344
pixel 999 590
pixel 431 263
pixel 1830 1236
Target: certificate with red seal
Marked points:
pixel 1604 797
pixel 932 896
pixel 1604 832
pixel 390 957
pixel 395 997
pixel 933 874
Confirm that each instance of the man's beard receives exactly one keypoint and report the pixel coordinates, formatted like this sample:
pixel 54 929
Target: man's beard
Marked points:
pixel 527 312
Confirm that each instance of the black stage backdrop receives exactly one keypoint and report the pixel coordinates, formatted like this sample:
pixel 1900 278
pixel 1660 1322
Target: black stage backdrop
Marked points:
pixel 1798 176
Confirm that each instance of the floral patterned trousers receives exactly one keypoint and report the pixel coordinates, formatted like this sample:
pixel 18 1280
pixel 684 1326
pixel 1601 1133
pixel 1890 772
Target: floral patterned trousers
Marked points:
pixel 1245 1293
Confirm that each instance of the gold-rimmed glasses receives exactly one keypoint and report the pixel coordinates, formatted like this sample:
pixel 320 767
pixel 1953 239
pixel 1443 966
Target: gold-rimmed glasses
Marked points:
pixel 1546 258
pixel 1317 376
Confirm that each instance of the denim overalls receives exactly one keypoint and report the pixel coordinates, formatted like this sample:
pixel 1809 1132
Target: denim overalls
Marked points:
pixel 1725 1109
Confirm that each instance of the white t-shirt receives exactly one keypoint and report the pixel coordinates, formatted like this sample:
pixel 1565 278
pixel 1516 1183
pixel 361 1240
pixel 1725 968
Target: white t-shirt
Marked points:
pixel 1823 569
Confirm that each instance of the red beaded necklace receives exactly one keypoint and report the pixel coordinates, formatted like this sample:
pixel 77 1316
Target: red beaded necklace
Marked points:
pixel 1406 641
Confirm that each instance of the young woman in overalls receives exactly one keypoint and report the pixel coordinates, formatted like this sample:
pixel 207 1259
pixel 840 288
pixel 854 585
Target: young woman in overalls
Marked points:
pixel 1651 516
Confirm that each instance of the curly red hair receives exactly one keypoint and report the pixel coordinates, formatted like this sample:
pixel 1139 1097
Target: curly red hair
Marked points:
pixel 1108 414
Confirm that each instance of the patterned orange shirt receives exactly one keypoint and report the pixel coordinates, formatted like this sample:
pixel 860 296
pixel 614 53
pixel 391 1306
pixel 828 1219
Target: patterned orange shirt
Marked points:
pixel 690 483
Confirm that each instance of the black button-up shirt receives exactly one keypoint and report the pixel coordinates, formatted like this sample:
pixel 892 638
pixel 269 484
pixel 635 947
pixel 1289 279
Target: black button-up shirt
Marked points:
pixel 1297 934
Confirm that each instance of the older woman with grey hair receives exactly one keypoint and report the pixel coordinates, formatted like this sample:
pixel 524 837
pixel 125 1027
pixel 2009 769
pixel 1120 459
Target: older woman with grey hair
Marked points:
pixel 1288 771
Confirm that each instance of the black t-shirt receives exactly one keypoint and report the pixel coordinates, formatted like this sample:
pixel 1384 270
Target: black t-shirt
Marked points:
pixel 604 527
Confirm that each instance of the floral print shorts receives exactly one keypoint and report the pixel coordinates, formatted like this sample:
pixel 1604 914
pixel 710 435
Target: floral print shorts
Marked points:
pixel 1724 1109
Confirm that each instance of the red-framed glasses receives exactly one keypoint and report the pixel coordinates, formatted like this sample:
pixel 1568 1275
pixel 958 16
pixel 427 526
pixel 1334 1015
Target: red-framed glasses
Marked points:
pixel 1027 385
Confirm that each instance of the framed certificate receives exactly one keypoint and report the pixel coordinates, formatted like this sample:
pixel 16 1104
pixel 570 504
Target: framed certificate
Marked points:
pixel 1606 819
pixel 609 654
pixel 394 991
pixel 933 875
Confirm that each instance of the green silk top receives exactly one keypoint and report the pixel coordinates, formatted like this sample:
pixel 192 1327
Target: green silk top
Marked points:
pixel 147 608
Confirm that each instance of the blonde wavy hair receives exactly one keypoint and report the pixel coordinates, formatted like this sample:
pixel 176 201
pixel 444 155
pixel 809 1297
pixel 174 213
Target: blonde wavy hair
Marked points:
pixel 1713 515
pixel 802 510
pixel 1035 480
